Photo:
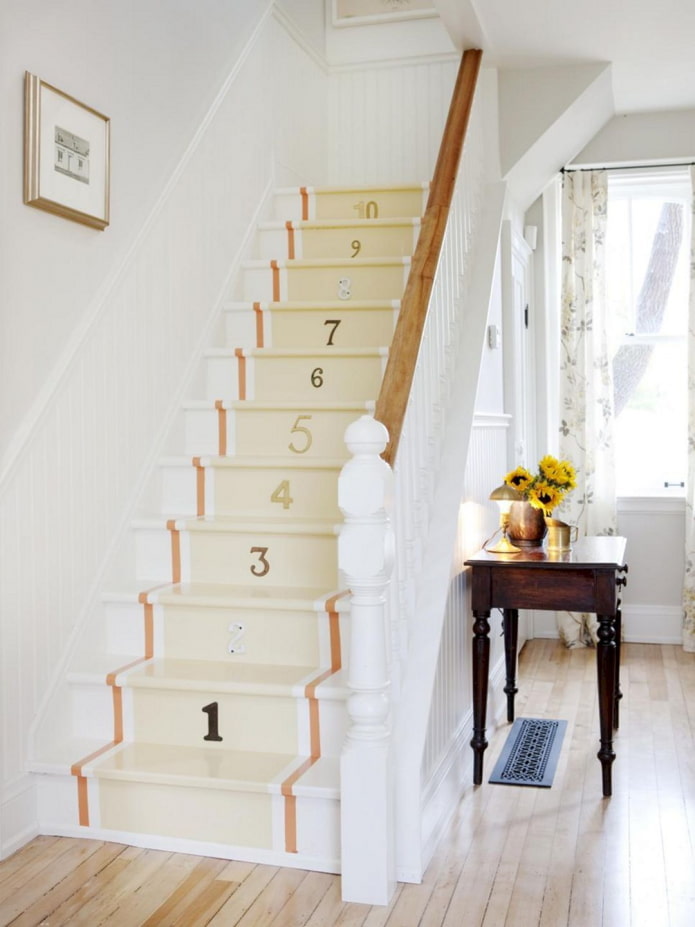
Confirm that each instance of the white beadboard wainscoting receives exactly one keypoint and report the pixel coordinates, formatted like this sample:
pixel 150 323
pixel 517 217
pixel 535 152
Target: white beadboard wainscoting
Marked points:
pixel 427 646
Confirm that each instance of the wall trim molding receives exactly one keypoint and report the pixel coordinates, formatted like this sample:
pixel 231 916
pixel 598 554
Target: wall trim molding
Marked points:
pixel 17 814
pixel 651 505
pixel 492 420
pixel 642 624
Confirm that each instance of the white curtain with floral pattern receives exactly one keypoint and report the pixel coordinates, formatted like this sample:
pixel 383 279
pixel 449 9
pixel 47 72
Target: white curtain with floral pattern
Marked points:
pixel 689 583
pixel 586 383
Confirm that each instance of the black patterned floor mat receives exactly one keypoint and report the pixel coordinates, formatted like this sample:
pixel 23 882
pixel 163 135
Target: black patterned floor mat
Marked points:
pixel 530 754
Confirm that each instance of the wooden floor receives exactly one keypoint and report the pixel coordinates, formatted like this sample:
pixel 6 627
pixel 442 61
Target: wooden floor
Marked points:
pixel 512 856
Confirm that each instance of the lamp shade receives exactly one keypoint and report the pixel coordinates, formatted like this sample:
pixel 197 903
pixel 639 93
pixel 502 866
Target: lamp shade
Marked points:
pixel 504 496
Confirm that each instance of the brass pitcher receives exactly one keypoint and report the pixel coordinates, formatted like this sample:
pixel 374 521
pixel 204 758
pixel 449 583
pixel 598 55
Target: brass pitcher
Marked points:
pixel 561 536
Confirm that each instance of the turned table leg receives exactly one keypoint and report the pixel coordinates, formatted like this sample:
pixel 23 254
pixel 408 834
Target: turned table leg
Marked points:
pixel 511 639
pixel 606 659
pixel 481 670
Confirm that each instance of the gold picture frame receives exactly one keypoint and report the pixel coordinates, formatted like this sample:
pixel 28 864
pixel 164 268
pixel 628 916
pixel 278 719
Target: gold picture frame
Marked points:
pixel 66 155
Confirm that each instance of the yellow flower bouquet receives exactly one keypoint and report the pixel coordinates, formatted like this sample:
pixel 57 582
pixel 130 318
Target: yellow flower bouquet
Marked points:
pixel 545 489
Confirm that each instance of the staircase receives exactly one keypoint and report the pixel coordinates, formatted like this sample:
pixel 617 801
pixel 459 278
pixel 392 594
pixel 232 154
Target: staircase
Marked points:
pixel 206 712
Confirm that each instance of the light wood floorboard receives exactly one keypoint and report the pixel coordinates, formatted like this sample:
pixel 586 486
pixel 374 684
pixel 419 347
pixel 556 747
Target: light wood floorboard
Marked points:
pixel 512 856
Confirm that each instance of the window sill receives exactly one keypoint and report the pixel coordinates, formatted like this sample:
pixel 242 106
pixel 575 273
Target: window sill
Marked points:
pixel 666 504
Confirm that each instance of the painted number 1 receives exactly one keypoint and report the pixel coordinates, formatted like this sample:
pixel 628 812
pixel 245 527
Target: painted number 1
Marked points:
pixel 211 711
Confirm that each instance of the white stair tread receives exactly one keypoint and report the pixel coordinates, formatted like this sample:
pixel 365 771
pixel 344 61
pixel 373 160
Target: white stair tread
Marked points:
pixel 325 224
pixel 246 678
pixel 305 263
pixel 66 753
pixel 299 352
pixel 240 525
pixel 257 463
pixel 213 594
pixel 217 767
pixel 294 305
pixel 283 405
pixel 360 188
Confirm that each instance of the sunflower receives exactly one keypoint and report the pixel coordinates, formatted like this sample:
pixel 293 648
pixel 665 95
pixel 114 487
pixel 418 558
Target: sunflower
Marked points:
pixel 544 495
pixel 519 479
pixel 547 488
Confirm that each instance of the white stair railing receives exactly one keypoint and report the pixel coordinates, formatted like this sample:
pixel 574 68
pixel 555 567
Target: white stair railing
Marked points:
pixel 367 775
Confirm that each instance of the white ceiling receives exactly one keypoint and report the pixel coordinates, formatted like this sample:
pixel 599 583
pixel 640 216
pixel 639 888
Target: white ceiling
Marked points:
pixel 649 43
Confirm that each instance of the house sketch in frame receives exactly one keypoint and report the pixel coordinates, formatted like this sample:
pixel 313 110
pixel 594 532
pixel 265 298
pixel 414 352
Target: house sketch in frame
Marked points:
pixel 67 160
pixel 71 155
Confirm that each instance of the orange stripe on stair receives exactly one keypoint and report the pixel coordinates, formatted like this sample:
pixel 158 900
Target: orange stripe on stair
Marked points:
pixel 241 372
pixel 305 202
pixel 221 428
pixel 259 325
pixel 117 702
pixel 314 724
pixel 276 281
pixel 175 551
pixel 199 487
pixel 290 239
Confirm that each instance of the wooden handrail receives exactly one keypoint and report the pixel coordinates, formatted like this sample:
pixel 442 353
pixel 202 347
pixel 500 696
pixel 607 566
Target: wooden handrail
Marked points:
pixel 400 368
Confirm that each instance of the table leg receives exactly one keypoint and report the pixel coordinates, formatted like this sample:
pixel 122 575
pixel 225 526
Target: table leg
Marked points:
pixel 606 659
pixel 618 693
pixel 511 638
pixel 481 671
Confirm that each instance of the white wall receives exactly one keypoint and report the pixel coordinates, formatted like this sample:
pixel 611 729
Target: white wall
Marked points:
pixel 154 68
pixel 654 527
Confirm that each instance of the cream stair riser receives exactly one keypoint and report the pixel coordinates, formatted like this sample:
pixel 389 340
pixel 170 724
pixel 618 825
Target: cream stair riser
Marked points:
pixel 277 627
pixel 311 324
pixel 377 278
pixel 368 238
pixel 285 487
pixel 267 374
pixel 306 429
pixel 266 717
pixel 311 203
pixel 128 809
pixel 237 552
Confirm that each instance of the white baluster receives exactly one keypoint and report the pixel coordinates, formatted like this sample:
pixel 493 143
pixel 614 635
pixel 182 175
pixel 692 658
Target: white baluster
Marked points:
pixel 365 553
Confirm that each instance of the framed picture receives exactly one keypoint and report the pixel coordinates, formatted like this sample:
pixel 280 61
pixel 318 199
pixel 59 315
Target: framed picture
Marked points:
pixel 363 12
pixel 66 155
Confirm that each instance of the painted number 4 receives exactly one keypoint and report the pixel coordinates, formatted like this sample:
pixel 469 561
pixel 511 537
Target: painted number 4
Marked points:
pixel 282 494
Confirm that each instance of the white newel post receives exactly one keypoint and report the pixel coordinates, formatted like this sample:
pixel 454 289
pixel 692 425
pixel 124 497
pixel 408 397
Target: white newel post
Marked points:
pixel 365 554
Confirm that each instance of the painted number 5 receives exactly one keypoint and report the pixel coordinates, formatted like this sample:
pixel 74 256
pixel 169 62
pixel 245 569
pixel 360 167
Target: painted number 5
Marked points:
pixel 305 440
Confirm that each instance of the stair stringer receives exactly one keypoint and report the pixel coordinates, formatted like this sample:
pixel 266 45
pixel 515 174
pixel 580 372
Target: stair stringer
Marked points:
pixel 418 824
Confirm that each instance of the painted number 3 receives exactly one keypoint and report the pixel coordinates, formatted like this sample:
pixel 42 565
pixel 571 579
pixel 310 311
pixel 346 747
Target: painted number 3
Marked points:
pixel 262 567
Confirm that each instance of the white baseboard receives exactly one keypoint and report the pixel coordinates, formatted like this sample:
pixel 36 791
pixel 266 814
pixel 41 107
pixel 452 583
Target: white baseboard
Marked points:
pixel 18 820
pixel 642 624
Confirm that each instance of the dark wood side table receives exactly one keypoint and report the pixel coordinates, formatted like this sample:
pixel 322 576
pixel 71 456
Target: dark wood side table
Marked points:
pixel 583 579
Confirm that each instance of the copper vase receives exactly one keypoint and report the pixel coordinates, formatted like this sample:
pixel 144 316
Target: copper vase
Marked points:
pixel 527 526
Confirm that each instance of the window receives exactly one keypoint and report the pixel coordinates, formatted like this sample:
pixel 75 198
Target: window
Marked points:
pixel 647 284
